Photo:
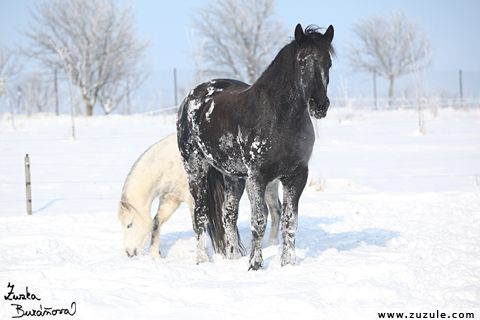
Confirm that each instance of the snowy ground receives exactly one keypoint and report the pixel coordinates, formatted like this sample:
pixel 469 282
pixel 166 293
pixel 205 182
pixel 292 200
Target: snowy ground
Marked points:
pixel 389 223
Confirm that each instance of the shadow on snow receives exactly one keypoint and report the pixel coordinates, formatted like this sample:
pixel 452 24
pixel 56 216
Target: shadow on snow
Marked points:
pixel 310 237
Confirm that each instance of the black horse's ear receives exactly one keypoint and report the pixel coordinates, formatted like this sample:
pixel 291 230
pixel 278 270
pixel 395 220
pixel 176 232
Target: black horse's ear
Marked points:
pixel 329 33
pixel 299 35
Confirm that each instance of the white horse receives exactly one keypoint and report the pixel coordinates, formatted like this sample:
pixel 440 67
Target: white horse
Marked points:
pixel 159 173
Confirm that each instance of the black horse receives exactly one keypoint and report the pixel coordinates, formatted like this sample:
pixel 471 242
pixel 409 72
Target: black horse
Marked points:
pixel 230 133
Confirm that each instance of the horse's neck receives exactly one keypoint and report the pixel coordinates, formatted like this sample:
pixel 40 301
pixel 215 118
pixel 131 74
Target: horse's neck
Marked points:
pixel 280 77
pixel 139 193
pixel 281 83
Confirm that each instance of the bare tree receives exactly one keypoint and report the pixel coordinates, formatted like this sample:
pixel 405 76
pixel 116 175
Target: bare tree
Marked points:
pixel 9 67
pixel 63 53
pixel 37 92
pixel 123 81
pixel 104 52
pixel 388 47
pixel 241 37
pixel 197 52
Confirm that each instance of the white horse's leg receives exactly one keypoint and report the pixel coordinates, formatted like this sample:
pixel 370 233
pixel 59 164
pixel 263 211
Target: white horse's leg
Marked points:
pixel 234 189
pixel 168 205
pixel 292 190
pixel 258 220
pixel 192 213
pixel 275 208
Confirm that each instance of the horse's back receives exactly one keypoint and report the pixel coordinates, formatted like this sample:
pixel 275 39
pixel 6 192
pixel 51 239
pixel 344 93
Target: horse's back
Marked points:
pixel 162 157
pixel 198 106
pixel 159 170
pixel 210 88
pixel 200 99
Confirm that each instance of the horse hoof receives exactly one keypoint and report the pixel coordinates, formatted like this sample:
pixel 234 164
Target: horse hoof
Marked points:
pixel 256 266
pixel 233 254
pixel 284 262
pixel 202 258
pixel 155 253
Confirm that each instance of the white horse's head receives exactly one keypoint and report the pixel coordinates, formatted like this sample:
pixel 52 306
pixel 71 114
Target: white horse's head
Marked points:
pixel 136 228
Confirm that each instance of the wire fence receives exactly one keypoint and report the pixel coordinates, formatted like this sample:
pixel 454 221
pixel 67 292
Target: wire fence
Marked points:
pixel 103 179
pixel 164 90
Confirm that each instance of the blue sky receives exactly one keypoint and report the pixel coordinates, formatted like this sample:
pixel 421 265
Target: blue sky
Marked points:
pixel 454 26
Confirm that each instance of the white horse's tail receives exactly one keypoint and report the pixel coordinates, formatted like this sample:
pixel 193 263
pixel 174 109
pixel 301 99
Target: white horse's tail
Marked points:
pixel 215 199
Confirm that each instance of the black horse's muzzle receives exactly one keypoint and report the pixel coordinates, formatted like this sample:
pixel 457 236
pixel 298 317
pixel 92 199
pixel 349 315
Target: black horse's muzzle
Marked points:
pixel 319 110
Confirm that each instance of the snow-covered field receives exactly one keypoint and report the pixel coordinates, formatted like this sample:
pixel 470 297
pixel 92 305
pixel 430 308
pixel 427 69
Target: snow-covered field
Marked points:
pixel 389 223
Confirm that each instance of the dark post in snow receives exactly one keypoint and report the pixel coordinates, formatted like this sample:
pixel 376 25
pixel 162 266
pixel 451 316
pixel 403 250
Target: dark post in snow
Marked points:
pixel 28 185
pixel 461 89
pixel 56 92
pixel 175 85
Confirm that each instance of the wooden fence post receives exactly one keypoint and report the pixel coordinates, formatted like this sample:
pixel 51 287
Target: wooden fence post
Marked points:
pixel 28 185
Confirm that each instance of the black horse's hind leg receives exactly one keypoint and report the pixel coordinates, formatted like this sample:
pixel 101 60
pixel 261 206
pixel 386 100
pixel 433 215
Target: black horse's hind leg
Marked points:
pixel 258 220
pixel 234 189
pixel 197 183
pixel 292 190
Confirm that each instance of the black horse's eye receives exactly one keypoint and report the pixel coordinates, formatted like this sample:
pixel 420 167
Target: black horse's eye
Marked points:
pixel 129 225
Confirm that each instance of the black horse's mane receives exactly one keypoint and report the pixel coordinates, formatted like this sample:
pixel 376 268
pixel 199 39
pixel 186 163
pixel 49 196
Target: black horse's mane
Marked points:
pixel 281 70
pixel 316 39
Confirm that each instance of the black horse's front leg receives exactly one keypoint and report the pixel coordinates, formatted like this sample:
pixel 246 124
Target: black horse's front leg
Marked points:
pixel 258 221
pixel 292 190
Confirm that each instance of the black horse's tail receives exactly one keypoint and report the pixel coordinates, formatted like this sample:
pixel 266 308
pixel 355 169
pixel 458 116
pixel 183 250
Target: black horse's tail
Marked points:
pixel 216 197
